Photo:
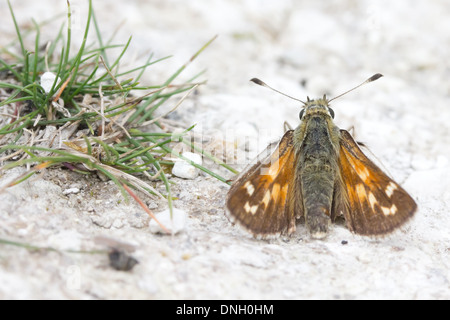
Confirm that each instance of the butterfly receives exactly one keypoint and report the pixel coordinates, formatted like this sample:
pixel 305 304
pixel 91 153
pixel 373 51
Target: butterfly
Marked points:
pixel 317 172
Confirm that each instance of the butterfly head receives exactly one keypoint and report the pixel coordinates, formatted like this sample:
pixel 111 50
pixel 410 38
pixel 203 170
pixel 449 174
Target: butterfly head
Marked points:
pixel 316 107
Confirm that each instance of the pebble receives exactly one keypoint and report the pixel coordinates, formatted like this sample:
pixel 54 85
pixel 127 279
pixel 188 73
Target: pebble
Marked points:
pixel 47 80
pixel 174 225
pixel 185 170
pixel 71 190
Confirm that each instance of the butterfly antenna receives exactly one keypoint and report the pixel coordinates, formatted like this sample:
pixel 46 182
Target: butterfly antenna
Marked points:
pixel 262 83
pixel 372 78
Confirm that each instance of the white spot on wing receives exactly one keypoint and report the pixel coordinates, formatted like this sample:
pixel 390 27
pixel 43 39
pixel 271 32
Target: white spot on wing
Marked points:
pixel 389 211
pixel 390 189
pixel 250 209
pixel 250 188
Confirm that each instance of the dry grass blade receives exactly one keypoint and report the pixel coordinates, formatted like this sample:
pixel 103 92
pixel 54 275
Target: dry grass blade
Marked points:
pixel 135 197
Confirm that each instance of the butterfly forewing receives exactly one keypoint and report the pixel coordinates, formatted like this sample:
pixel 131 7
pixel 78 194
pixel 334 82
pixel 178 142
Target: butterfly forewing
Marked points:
pixel 261 200
pixel 376 204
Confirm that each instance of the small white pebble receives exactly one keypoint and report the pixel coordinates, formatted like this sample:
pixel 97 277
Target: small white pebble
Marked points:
pixel 174 225
pixel 185 170
pixel 47 80
pixel 71 190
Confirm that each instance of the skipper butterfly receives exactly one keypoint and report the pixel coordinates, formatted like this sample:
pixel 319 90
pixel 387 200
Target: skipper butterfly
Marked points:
pixel 318 172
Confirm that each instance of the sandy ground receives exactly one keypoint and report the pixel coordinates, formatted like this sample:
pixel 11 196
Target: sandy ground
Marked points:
pixel 302 48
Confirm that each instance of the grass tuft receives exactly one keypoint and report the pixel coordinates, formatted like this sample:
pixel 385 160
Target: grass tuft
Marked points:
pixel 92 117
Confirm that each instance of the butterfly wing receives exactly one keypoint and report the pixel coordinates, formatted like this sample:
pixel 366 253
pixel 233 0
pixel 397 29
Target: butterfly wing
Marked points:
pixel 262 198
pixel 376 204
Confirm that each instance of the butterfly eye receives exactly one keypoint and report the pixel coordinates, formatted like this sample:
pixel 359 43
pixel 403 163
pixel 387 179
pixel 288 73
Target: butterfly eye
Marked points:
pixel 331 112
pixel 302 112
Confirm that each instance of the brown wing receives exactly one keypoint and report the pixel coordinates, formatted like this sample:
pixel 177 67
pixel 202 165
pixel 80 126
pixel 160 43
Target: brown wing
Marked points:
pixel 262 198
pixel 376 204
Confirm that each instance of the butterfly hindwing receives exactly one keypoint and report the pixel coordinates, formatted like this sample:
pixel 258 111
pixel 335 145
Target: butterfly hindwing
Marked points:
pixel 376 204
pixel 262 198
